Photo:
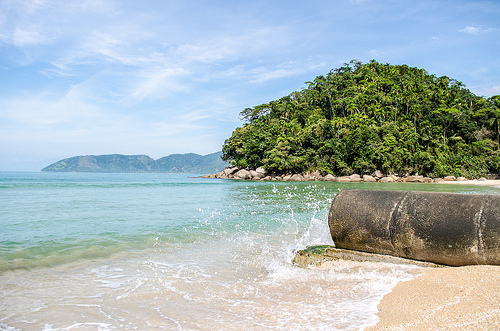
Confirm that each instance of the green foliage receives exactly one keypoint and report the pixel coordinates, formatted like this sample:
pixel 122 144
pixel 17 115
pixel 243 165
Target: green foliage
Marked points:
pixel 364 117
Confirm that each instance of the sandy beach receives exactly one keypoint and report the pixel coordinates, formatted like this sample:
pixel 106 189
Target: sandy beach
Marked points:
pixel 491 182
pixel 450 298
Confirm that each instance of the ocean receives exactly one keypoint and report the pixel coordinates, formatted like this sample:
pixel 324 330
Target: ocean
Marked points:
pixel 89 251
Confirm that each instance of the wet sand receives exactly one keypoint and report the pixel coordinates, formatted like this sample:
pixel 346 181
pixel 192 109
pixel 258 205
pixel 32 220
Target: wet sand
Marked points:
pixel 450 298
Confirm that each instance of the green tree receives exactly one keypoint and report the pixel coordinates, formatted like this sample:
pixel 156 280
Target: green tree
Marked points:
pixel 362 117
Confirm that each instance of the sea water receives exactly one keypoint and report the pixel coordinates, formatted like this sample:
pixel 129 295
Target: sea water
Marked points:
pixel 85 251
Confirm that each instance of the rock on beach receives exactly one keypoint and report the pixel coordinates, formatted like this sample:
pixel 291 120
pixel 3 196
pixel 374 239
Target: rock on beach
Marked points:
pixel 377 176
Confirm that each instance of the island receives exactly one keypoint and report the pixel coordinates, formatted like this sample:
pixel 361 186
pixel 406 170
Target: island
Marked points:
pixel 175 163
pixel 362 118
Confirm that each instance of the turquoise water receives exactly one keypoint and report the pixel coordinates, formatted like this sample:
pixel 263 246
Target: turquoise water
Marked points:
pixel 161 251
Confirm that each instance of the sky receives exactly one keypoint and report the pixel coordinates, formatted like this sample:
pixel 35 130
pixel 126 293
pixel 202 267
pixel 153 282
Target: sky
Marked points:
pixel 160 77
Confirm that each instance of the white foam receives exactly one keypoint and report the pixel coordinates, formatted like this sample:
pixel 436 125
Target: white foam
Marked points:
pixel 232 272
pixel 5 327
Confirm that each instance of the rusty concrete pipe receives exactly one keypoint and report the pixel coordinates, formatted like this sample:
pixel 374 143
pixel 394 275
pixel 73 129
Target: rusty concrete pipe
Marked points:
pixel 445 228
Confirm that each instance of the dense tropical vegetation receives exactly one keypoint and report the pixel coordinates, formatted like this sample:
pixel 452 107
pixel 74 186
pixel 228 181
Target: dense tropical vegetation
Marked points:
pixel 365 117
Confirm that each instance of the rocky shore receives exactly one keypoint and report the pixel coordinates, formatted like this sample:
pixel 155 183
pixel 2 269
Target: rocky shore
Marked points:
pixel 376 176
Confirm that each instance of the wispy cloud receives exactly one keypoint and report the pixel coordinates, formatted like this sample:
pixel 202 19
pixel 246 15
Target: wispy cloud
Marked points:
pixel 158 82
pixel 173 129
pixel 47 112
pixel 488 90
pixel 158 77
pixel 282 70
pixel 476 30
pixel 28 36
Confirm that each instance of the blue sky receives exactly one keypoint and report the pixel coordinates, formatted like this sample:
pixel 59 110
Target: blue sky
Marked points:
pixel 158 77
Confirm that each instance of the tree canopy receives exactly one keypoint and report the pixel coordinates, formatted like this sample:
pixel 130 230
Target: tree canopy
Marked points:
pixel 365 117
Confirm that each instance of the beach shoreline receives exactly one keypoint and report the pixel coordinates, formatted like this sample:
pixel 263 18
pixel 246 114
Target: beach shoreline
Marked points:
pixel 450 298
pixel 488 182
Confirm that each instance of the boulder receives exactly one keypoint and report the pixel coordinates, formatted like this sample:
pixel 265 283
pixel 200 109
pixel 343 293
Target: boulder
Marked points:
pixel 378 174
pixel 426 180
pixel 414 179
pixel 256 175
pixel 438 180
pixel 242 174
pixel 344 179
pixel 230 170
pixel 461 179
pixel 316 174
pixel 386 180
pixel 296 178
pixel 450 178
pixel 482 179
pixel 261 171
pixel 368 178
pixel 444 228
pixel 318 255
pixel 355 178
pixel 394 177
pixel 286 178
pixel 330 178
pixel 308 177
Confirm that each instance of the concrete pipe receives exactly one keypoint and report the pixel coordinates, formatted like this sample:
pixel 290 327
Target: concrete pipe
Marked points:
pixel 445 228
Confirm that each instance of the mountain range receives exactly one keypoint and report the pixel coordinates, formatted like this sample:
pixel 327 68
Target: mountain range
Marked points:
pixel 175 163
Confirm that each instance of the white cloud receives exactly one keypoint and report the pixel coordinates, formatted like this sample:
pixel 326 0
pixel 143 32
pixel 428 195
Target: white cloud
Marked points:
pixel 210 53
pixel 25 23
pixel 27 37
pixel 494 90
pixel 487 91
pixel 282 70
pixel 156 83
pixel 174 128
pixel 91 6
pixel 232 46
pixel 44 112
pixel 264 74
pixel 476 30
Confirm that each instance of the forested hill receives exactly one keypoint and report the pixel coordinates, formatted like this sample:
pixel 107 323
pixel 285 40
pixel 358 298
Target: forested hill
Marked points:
pixel 174 163
pixel 365 117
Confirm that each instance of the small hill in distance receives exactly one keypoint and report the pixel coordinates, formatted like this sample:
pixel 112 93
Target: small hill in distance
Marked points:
pixel 175 163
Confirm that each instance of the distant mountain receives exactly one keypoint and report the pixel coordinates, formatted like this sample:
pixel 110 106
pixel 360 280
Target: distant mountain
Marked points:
pixel 191 163
pixel 175 163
